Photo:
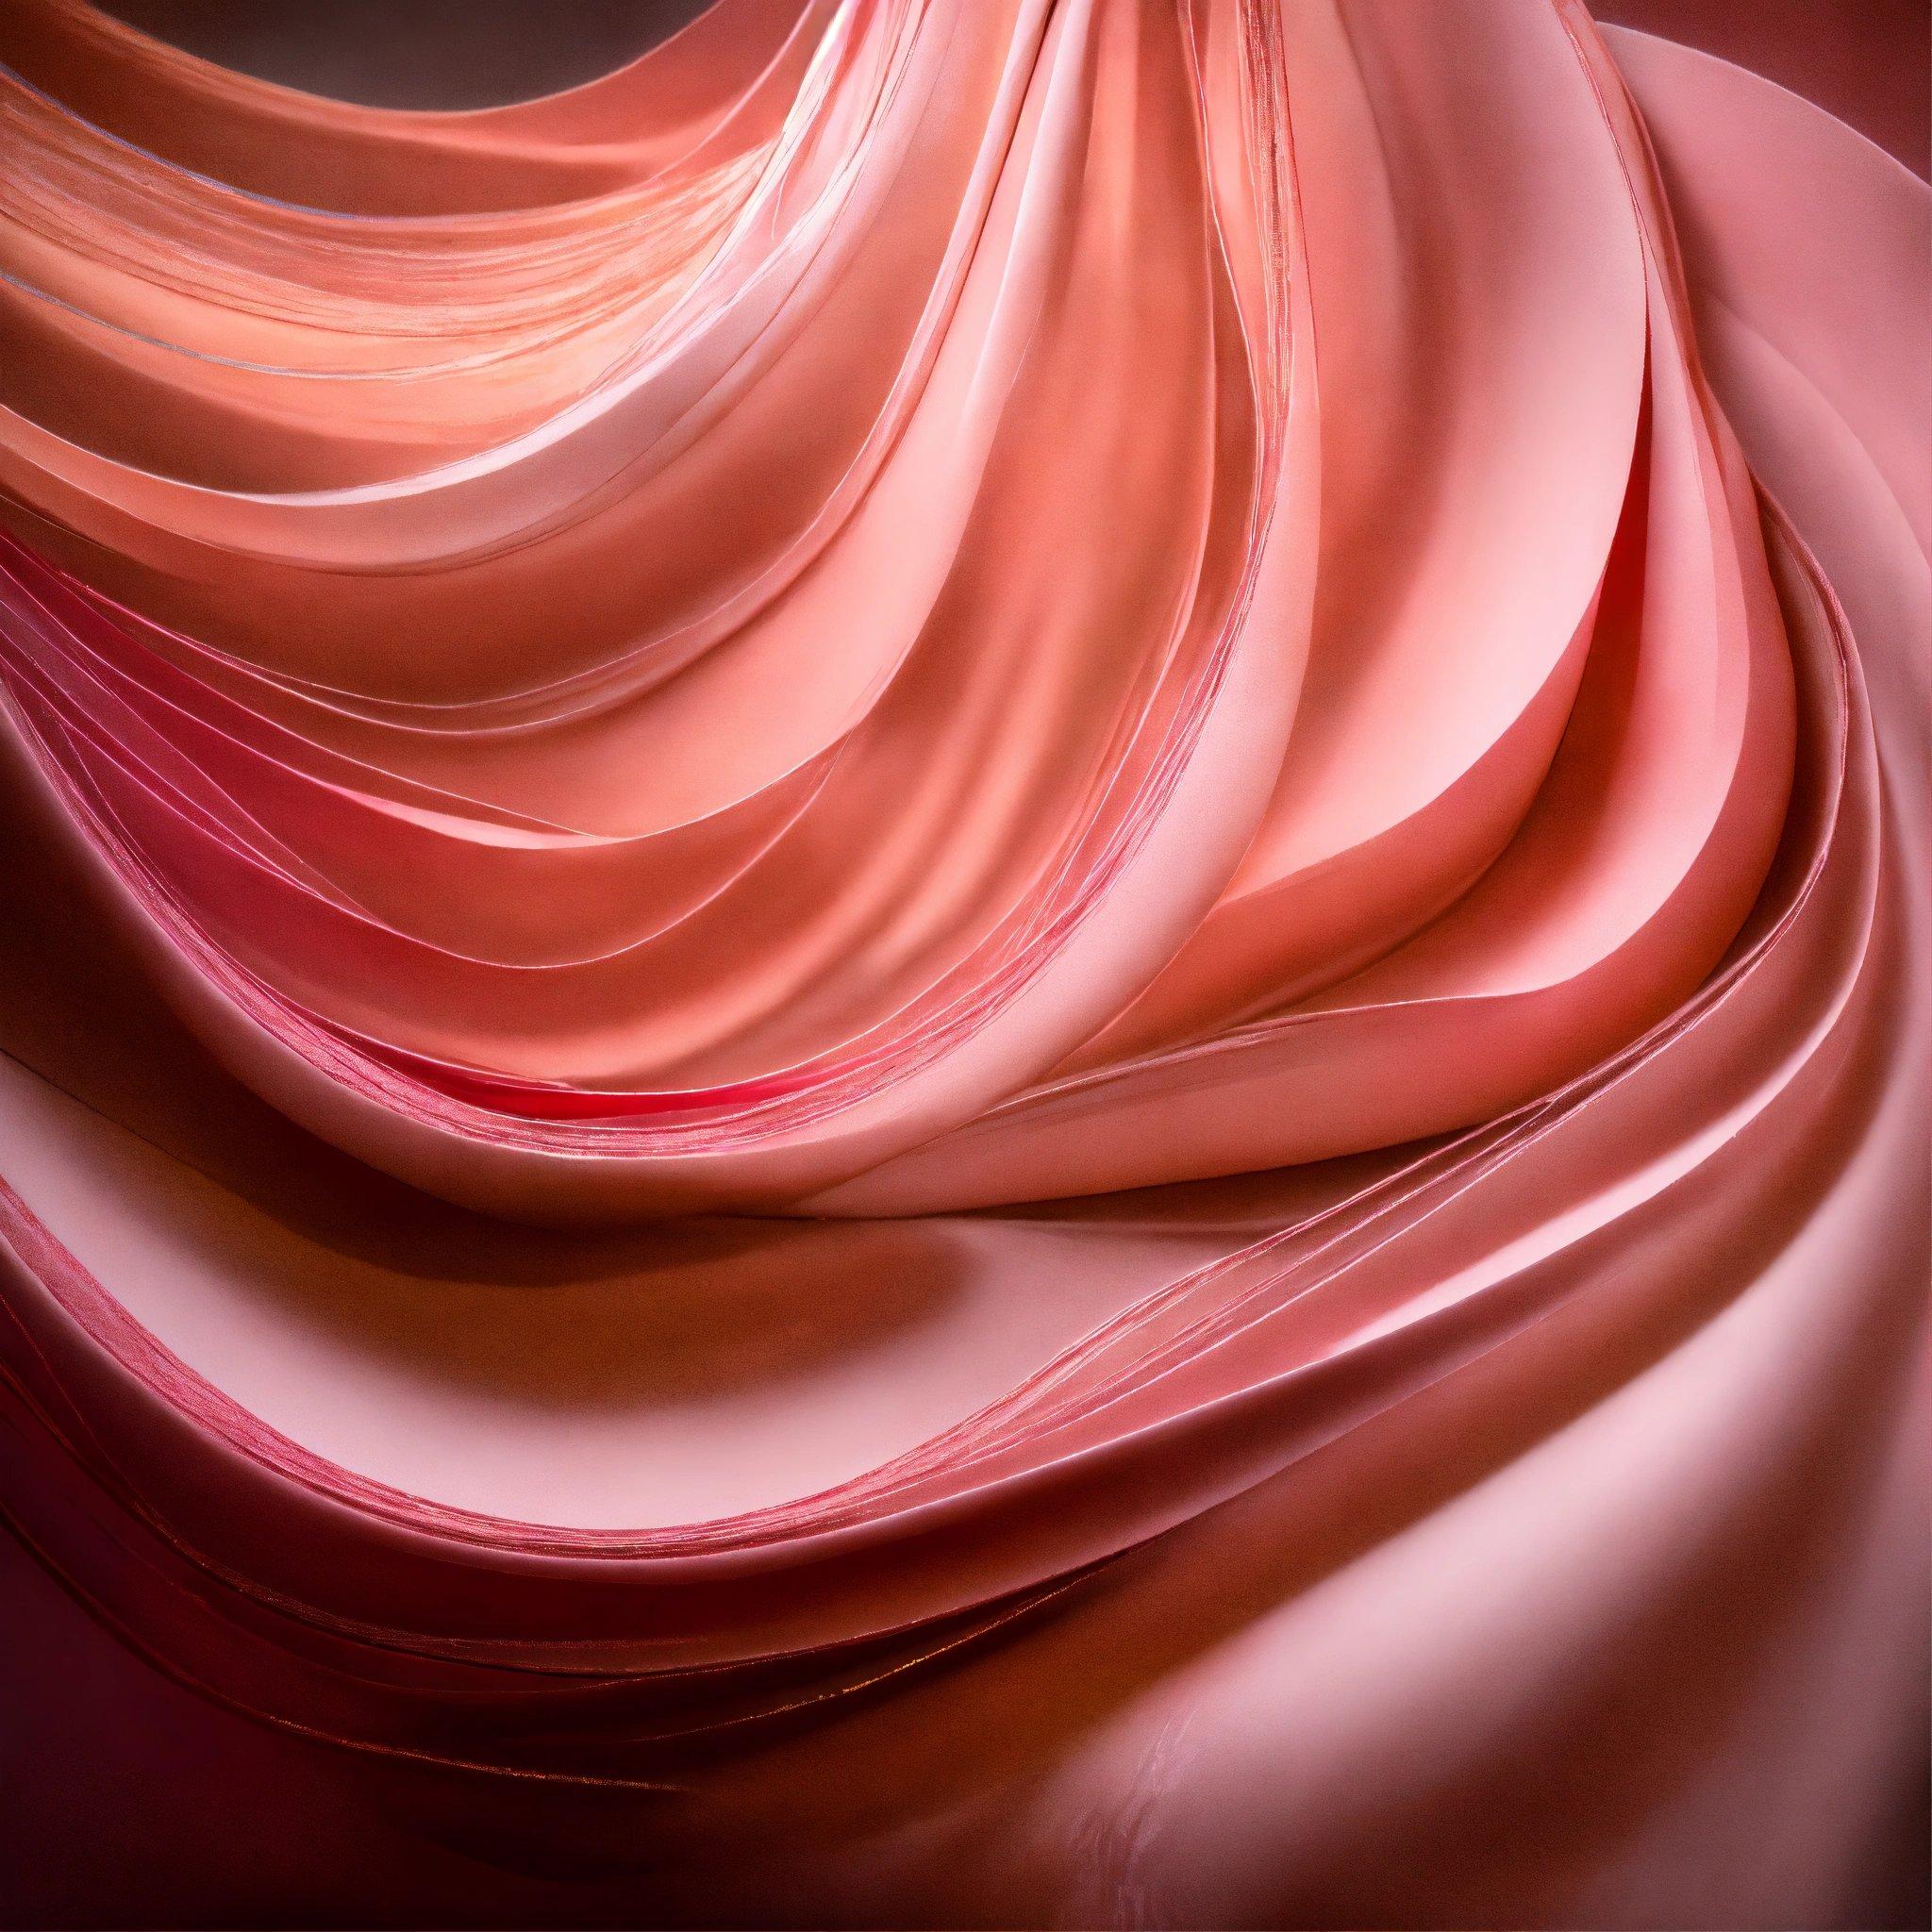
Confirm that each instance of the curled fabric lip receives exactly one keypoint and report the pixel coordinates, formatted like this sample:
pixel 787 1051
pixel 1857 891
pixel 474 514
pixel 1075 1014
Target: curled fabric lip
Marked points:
pixel 968 961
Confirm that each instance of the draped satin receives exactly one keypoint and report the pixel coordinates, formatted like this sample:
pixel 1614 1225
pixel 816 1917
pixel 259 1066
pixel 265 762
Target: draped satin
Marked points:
pixel 966 963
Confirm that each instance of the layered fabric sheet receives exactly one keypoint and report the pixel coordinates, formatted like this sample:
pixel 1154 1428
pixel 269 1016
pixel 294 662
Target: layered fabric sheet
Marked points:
pixel 965 964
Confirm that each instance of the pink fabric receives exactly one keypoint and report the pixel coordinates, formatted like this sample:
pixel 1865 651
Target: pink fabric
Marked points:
pixel 969 969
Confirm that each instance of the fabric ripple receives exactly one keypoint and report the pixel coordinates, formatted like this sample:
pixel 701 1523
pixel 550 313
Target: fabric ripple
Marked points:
pixel 968 963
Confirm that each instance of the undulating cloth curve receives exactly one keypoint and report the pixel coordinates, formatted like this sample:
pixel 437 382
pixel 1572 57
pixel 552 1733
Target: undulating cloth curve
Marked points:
pixel 966 965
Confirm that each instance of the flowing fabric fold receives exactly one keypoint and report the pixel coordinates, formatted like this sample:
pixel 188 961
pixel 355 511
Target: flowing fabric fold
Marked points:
pixel 968 959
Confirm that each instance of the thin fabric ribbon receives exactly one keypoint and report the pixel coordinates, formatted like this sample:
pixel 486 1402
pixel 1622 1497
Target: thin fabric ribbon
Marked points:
pixel 962 968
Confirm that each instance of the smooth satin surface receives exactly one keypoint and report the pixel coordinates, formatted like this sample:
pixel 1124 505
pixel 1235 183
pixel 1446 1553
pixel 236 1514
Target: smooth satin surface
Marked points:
pixel 966 964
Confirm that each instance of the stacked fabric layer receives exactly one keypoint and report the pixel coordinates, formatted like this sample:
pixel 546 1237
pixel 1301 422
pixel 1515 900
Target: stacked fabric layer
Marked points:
pixel 963 962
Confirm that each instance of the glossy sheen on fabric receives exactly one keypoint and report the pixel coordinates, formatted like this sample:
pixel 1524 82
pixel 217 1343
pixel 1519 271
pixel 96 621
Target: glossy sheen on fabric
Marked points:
pixel 967 965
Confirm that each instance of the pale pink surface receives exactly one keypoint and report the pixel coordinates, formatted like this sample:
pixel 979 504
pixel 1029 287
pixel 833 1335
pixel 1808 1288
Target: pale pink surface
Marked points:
pixel 908 609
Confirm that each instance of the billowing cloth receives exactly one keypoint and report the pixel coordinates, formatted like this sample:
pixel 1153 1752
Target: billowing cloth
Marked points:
pixel 967 966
